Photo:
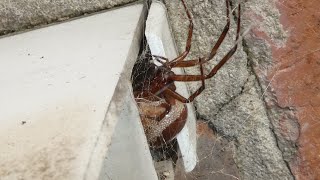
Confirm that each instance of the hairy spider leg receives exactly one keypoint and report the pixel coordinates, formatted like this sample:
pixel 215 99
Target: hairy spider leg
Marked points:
pixel 217 67
pixel 159 57
pixel 189 63
pixel 202 77
pixel 182 99
pixel 188 44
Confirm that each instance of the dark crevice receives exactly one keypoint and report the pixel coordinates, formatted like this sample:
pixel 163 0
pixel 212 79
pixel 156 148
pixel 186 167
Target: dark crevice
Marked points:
pixel 277 143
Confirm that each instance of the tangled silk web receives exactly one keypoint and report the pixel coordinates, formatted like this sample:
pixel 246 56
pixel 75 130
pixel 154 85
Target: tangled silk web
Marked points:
pixel 242 132
pixel 215 153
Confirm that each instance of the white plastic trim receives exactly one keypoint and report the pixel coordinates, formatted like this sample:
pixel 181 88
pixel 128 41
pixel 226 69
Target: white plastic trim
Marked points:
pixel 161 43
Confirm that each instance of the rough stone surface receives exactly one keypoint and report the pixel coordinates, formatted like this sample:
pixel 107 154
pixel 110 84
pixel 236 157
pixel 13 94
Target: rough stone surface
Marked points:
pixel 260 56
pixel 233 100
pixel 245 120
pixel 16 15
pixel 290 73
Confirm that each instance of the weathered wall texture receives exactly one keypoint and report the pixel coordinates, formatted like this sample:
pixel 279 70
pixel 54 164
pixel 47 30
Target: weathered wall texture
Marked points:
pixel 16 15
pixel 292 71
pixel 266 99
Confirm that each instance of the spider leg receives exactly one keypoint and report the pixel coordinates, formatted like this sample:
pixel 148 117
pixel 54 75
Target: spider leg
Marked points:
pixel 157 58
pixel 223 35
pixel 182 99
pixel 189 63
pixel 216 68
pixel 159 61
pixel 160 57
pixel 188 44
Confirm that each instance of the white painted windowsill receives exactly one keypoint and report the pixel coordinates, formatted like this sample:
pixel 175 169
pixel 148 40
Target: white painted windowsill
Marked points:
pixel 58 109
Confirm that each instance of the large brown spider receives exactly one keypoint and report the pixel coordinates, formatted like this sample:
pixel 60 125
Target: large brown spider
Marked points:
pixel 163 111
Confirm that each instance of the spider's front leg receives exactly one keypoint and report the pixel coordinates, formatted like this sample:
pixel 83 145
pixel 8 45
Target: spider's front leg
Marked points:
pixel 190 31
pixel 190 63
pixel 200 61
pixel 179 97
pixel 188 43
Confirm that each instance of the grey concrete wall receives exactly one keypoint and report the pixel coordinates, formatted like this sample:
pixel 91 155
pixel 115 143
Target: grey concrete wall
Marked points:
pixel 233 100
pixel 16 15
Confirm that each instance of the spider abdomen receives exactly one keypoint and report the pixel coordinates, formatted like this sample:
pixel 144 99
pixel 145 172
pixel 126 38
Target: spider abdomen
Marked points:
pixel 162 130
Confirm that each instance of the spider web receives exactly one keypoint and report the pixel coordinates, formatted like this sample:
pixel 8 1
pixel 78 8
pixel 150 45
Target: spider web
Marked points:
pixel 214 151
pixel 218 136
